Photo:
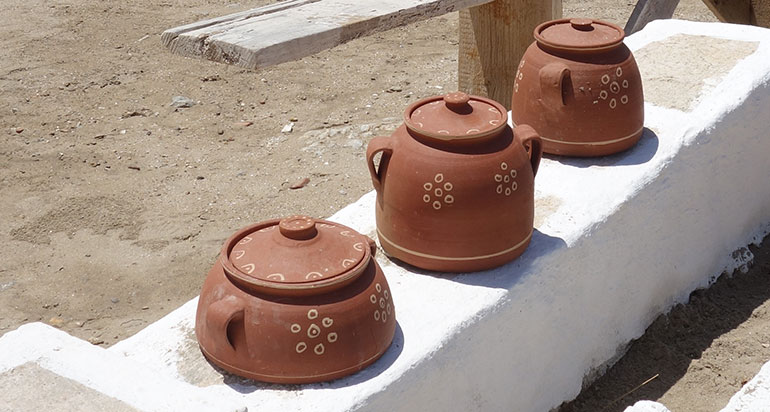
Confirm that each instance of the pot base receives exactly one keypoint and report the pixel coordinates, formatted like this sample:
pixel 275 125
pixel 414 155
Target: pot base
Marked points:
pixel 452 263
pixel 290 379
pixel 599 148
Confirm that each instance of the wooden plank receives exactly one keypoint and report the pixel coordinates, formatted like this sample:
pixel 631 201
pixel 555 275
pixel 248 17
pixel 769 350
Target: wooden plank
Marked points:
pixel 760 13
pixel 731 11
pixel 493 37
pixel 646 11
pixel 294 29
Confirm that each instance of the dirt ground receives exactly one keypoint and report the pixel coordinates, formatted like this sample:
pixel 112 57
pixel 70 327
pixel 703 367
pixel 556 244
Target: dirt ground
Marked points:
pixel 114 203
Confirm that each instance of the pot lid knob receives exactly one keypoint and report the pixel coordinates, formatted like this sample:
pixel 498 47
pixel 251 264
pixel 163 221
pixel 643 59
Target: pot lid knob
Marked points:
pixel 298 227
pixel 458 102
pixel 582 24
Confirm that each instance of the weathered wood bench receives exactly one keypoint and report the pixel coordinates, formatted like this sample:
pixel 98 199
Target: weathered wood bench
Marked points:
pixel 293 29
pixel 493 33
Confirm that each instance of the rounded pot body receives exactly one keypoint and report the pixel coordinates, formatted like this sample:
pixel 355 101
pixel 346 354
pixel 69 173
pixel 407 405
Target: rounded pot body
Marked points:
pixel 295 338
pixel 455 208
pixel 583 101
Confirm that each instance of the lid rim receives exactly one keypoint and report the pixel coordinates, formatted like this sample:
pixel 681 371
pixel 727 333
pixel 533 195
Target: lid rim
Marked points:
pixel 280 288
pixel 411 126
pixel 601 46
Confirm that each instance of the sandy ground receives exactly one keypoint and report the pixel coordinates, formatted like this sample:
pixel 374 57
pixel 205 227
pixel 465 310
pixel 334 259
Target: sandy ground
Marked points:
pixel 114 203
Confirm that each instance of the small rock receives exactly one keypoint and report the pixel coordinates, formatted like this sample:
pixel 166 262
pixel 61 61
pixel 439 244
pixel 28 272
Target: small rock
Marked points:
pixel 300 184
pixel 56 322
pixel 355 143
pixel 145 307
pixel 766 345
pixel 114 300
pixel 293 119
pixel 181 101
pixel 244 123
pixel 19 130
pixel 212 78
pixel 199 177
pixel 134 167
pixel 364 128
pixel 288 128
pixel 95 341
pixel 394 89
pixel 220 132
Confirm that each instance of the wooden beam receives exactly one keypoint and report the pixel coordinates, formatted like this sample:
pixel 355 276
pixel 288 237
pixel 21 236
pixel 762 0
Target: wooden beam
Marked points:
pixel 760 13
pixel 731 11
pixel 293 29
pixel 493 37
pixel 646 11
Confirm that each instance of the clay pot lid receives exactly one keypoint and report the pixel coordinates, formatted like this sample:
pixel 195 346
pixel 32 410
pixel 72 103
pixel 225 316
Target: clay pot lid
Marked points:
pixel 456 116
pixel 295 254
pixel 578 34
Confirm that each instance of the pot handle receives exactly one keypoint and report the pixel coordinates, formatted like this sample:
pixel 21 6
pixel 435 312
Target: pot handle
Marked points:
pixel 221 316
pixel 531 141
pixel 376 145
pixel 553 77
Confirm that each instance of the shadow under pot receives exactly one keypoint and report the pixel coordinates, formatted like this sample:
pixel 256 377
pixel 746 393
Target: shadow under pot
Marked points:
pixel 579 86
pixel 294 301
pixel 455 185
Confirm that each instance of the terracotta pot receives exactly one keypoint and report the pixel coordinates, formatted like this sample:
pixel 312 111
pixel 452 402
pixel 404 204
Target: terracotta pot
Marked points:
pixel 295 301
pixel 579 86
pixel 455 185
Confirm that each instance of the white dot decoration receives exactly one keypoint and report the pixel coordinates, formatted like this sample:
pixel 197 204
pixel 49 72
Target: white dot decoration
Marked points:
pixel 387 295
pixel 514 173
pixel 384 317
pixel 378 287
pixel 498 178
pixel 313 331
pixel 332 337
pixel 319 349
pixel 295 328
pixel 605 79
pixel 312 314
pixel 504 166
pixel 327 322
pixel 514 186
pixel 507 179
pixel 300 347
pixel 499 189
pixel 449 199
pixel 603 94
pixel 625 84
pixel 373 298
pixel 624 99
pixel 382 302
pixel 376 315
pixel 507 191
pixel 613 103
pixel 614 87
pixel 435 194
pixel 619 71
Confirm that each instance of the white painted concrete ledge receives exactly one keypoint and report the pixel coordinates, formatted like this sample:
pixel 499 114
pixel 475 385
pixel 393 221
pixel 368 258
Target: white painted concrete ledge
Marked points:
pixel 619 241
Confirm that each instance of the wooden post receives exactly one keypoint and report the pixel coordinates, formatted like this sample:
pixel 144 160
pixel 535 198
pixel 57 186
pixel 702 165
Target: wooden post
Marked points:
pixel 647 11
pixel 731 11
pixel 493 37
pixel 760 13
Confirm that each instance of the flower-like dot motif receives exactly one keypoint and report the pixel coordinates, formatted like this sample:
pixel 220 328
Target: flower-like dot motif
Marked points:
pixel 382 306
pixel 437 194
pixel 314 332
pixel 615 86
pixel 506 180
